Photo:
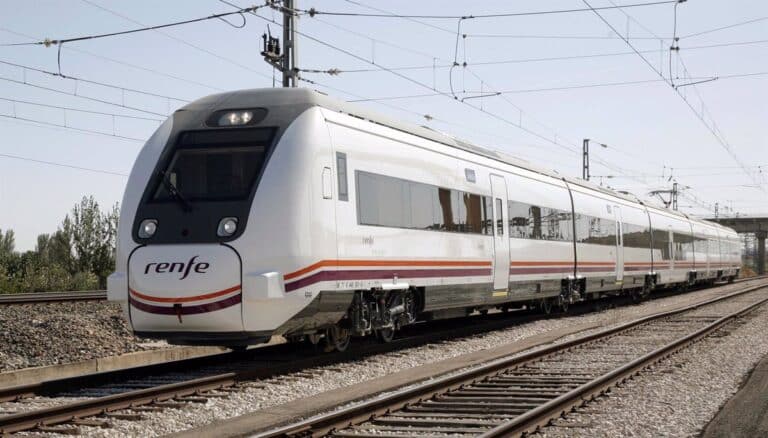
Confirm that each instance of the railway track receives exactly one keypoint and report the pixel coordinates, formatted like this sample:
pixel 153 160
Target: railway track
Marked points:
pixel 170 385
pixel 52 297
pixel 515 396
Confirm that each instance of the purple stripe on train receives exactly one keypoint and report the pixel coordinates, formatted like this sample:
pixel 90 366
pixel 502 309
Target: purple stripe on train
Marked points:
pixel 383 275
pixel 186 310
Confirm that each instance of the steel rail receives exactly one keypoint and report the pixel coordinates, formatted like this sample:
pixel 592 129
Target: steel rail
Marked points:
pixel 540 416
pixel 53 297
pixel 73 411
pixel 347 416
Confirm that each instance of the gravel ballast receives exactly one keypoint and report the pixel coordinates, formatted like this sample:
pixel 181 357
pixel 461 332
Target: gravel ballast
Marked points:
pixel 679 395
pixel 33 335
pixel 271 392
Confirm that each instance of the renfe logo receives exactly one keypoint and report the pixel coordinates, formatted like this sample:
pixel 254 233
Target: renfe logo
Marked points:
pixel 182 268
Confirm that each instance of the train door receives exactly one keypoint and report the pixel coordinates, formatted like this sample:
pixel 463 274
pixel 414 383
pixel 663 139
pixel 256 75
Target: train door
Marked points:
pixel 500 237
pixel 619 244
pixel 671 247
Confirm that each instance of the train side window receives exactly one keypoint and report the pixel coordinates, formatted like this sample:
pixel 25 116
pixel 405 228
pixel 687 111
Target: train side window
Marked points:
pixel 500 219
pixel 444 197
pixel 423 216
pixel 519 219
pixel 535 215
pixel 341 175
pixel 394 202
pixel 488 215
pixel 473 208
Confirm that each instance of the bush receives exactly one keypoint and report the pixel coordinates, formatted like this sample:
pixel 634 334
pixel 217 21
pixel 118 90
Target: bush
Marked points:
pixel 84 281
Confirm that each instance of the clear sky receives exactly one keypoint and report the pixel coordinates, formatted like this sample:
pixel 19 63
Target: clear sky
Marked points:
pixel 536 60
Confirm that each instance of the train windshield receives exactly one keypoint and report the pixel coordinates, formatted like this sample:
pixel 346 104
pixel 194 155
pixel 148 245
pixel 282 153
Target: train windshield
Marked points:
pixel 211 173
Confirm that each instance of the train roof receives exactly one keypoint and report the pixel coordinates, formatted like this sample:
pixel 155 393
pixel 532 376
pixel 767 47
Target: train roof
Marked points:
pixel 266 97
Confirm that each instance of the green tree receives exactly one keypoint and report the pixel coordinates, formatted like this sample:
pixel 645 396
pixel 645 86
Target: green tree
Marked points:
pixel 7 243
pixel 78 256
pixel 60 249
pixel 42 247
pixel 90 235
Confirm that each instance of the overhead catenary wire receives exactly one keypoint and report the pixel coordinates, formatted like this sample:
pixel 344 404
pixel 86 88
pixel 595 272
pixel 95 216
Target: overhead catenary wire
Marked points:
pixel 183 41
pixel 730 26
pixel 76 92
pixel 122 62
pixel 58 164
pixel 84 130
pixel 80 110
pixel 476 93
pixel 553 58
pixel 313 12
pixel 51 42
pixel 550 37
pixel 81 96
pixel 92 82
pixel 414 20
pixel 712 129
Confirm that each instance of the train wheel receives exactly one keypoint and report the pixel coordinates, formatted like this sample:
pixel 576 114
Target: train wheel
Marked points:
pixel 337 338
pixel 564 304
pixel 648 287
pixel 385 335
pixel 546 306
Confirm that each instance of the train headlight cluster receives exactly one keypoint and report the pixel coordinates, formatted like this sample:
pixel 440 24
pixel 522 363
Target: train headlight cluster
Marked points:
pixel 235 118
pixel 147 228
pixel 227 227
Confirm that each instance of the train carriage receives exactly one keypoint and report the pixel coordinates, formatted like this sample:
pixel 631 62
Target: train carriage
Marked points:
pixel 284 212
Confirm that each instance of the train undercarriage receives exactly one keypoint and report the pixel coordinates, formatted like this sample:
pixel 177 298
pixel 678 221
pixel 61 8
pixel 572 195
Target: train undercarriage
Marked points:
pixel 382 313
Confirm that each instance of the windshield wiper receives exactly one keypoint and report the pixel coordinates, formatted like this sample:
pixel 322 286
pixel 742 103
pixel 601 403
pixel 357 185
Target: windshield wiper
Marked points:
pixel 174 192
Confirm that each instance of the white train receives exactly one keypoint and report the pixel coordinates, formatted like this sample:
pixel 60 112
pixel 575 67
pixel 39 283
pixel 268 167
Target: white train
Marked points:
pixel 284 212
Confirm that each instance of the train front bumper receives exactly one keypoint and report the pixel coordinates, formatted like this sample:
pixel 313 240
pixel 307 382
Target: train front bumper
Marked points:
pixel 189 294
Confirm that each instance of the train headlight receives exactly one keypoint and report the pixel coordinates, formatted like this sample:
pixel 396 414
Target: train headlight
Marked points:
pixel 227 227
pixel 147 228
pixel 235 118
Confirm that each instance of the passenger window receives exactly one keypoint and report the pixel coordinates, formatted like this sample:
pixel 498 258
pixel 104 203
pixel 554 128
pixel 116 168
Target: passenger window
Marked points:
pixel 488 215
pixel 341 175
pixel 500 219
pixel 394 202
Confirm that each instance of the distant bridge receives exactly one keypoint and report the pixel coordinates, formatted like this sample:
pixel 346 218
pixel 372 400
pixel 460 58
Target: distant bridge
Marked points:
pixel 757 225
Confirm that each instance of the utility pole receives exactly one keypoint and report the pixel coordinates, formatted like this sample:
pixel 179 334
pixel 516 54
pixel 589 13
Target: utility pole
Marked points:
pixel 674 196
pixel 290 71
pixel 285 59
pixel 585 158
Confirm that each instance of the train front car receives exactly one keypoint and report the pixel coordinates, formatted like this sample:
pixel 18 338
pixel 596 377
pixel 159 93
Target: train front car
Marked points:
pixel 228 194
